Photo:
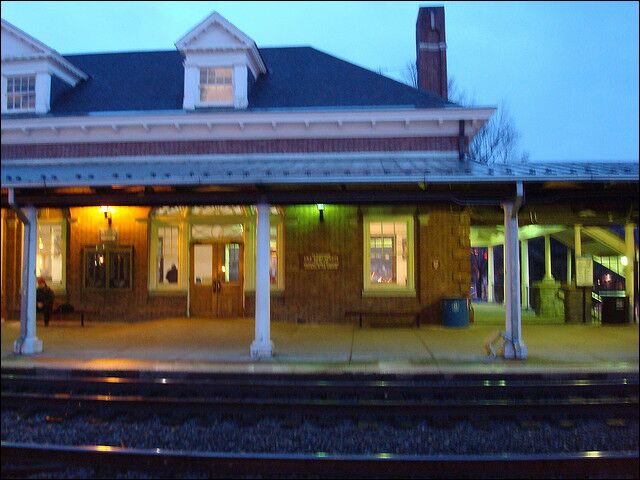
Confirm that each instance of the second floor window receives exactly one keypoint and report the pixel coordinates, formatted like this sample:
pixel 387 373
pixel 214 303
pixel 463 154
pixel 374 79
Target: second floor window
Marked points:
pixel 216 86
pixel 21 93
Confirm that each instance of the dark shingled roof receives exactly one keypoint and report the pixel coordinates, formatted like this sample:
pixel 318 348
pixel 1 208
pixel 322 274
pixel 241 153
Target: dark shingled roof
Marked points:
pixel 297 78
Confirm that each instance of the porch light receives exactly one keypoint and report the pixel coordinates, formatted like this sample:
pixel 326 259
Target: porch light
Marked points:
pixel 107 211
pixel 624 260
pixel 321 210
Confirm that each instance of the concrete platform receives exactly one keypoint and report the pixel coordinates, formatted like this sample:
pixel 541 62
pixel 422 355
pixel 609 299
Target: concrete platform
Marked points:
pixel 223 345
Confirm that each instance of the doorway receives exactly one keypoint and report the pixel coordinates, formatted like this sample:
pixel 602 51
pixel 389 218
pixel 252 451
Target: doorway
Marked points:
pixel 216 279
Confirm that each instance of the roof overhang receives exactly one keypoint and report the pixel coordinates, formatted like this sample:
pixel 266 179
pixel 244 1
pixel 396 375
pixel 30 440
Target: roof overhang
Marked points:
pixel 267 124
pixel 393 169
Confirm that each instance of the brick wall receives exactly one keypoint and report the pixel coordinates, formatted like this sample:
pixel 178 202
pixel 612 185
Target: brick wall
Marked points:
pixel 442 267
pixel 135 303
pixel 441 261
pixel 230 147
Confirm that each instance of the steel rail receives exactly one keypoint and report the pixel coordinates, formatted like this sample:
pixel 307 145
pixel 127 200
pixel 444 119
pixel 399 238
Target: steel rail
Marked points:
pixel 329 384
pixel 591 464
pixel 573 407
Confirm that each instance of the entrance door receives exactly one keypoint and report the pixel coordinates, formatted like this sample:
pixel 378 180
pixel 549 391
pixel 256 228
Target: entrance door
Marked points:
pixel 216 279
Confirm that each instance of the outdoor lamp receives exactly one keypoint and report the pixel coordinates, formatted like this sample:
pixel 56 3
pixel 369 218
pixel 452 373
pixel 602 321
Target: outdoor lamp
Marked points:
pixel 107 213
pixel 321 210
pixel 624 260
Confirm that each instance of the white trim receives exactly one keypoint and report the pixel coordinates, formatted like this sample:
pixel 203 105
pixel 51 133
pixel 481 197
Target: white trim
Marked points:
pixel 245 125
pixel 216 19
pixel 47 53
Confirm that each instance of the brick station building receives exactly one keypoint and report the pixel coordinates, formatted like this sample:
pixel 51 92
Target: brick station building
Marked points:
pixel 221 179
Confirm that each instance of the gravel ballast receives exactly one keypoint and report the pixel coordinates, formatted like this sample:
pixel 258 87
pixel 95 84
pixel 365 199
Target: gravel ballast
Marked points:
pixel 342 435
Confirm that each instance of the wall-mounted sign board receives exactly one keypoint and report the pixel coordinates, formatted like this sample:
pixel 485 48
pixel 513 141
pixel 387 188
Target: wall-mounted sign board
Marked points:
pixel 320 261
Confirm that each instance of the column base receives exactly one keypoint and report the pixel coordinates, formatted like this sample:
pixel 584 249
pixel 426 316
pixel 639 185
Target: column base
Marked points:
pixel 513 351
pixel 261 349
pixel 27 346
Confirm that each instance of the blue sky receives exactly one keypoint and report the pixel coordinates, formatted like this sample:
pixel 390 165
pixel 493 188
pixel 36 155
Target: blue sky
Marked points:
pixel 567 71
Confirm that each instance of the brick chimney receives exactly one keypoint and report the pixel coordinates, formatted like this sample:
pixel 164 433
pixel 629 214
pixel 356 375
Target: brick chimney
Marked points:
pixel 431 51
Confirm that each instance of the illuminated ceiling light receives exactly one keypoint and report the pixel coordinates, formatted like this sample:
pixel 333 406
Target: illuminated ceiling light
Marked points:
pixel 624 261
pixel 321 210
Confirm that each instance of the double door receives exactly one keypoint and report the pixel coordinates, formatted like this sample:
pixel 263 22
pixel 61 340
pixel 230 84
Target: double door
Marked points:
pixel 216 279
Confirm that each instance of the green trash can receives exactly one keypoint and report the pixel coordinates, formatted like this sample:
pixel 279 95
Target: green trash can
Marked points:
pixel 455 312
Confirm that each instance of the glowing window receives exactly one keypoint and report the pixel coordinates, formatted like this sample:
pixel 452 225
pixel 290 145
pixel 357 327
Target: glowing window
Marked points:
pixel 50 258
pixel 388 255
pixel 273 255
pixel 216 86
pixel 167 257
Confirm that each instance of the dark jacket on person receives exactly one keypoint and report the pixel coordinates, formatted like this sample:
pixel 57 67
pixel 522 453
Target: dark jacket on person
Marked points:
pixel 45 296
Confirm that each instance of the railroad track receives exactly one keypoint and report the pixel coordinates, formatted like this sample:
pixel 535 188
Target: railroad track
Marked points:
pixel 298 396
pixel 20 460
pixel 425 395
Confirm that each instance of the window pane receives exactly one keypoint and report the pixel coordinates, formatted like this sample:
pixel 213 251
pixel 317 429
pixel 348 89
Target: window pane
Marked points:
pixel 119 269
pixel 203 264
pixel 96 270
pixel 167 255
pixel 216 85
pixel 388 253
pixel 232 262
pixel 273 255
pixel 49 256
pixel 216 93
pixel 217 232
pixel 21 92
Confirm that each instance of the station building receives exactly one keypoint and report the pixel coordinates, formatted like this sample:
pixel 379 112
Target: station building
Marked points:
pixel 221 179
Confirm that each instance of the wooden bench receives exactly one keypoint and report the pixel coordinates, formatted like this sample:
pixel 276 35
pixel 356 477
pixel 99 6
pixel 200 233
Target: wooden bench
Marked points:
pixel 371 313
pixel 77 313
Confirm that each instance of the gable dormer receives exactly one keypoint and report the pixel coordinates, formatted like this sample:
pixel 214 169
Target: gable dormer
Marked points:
pixel 33 74
pixel 220 62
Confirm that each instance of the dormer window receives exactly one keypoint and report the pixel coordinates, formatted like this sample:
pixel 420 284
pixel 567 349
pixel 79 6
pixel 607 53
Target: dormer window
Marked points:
pixel 21 93
pixel 216 86
pixel 29 68
pixel 220 65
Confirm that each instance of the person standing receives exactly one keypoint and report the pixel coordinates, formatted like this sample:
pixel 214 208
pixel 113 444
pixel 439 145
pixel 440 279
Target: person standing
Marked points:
pixel 44 300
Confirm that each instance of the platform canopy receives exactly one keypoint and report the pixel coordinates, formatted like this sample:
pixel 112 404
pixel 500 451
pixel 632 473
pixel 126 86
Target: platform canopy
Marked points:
pixel 354 178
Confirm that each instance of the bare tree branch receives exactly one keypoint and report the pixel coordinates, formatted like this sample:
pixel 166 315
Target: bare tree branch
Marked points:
pixel 497 141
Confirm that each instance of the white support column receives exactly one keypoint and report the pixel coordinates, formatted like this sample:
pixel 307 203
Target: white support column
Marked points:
pixel 262 347
pixel 547 257
pixel 630 253
pixel 514 348
pixel 524 268
pixel 28 343
pixel 504 274
pixel 490 274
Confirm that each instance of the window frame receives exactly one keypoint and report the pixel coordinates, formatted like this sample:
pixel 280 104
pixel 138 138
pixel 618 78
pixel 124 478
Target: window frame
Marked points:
pixel 202 86
pixel 6 94
pixel 107 251
pixel 153 285
pixel 387 289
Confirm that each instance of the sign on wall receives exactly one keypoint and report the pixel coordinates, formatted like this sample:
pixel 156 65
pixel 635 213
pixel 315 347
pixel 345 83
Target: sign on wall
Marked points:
pixel 320 261
pixel 108 235
pixel 584 272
